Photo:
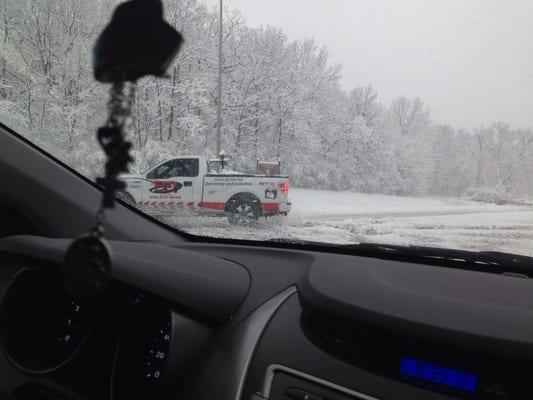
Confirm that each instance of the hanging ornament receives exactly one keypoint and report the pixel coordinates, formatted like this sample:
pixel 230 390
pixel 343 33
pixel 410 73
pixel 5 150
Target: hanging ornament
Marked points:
pixel 136 43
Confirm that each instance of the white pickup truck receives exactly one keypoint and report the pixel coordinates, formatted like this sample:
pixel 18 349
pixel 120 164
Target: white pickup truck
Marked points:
pixel 188 183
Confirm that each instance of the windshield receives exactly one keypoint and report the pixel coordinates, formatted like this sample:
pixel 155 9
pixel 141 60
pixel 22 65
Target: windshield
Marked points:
pixel 336 121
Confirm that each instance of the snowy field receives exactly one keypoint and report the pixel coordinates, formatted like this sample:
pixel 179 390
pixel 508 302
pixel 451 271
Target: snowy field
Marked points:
pixel 345 217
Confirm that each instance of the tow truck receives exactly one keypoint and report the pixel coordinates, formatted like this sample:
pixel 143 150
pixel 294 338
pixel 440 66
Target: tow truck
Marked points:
pixel 190 182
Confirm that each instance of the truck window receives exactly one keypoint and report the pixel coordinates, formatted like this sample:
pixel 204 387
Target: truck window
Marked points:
pixel 187 167
pixel 163 171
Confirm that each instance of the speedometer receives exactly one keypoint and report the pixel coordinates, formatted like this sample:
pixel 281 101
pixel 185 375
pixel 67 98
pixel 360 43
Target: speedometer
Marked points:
pixel 143 352
pixel 157 352
pixel 157 348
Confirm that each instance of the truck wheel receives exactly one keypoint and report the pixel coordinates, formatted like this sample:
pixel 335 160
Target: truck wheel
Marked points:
pixel 242 212
pixel 126 198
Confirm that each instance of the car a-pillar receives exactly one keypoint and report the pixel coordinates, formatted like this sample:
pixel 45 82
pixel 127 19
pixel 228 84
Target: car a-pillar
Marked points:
pixel 243 209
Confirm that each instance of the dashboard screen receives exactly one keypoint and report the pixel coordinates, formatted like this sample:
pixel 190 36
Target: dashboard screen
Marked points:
pixel 438 374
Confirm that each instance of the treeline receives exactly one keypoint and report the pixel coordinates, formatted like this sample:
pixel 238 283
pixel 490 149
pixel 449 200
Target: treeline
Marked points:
pixel 280 98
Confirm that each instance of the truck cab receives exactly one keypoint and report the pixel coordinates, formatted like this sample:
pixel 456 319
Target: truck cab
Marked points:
pixel 171 183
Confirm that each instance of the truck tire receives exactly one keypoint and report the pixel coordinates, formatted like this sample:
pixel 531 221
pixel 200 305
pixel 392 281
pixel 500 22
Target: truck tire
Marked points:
pixel 243 210
pixel 126 198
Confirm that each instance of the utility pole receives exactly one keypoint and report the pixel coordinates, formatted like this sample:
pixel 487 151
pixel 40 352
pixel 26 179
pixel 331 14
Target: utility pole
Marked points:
pixel 219 97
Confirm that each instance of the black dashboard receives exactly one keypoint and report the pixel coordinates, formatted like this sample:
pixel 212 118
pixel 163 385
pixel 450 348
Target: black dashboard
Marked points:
pixel 265 324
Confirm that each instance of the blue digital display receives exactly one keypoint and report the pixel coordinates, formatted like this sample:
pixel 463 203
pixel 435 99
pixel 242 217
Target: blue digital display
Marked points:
pixel 438 374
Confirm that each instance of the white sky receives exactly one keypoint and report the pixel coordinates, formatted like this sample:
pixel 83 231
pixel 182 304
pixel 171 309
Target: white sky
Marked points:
pixel 470 61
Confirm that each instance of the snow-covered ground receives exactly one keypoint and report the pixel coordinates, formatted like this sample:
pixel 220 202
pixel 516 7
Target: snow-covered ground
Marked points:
pixel 345 217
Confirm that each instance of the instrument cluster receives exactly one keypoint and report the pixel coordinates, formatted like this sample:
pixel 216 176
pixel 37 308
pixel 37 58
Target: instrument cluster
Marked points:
pixel 43 329
pixel 42 325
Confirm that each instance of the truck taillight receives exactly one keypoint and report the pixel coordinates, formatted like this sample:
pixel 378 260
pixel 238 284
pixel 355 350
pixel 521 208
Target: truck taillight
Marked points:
pixel 284 187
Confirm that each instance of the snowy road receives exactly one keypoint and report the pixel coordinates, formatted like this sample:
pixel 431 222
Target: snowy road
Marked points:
pixel 341 217
pixel 344 217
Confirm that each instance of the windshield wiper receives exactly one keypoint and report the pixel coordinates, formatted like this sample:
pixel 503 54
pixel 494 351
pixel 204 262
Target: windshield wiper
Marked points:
pixel 486 261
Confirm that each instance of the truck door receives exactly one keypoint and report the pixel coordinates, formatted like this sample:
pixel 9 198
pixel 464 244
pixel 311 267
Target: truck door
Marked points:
pixel 170 185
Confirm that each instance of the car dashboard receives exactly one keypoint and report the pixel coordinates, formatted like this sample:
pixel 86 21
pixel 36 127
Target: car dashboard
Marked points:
pixel 205 321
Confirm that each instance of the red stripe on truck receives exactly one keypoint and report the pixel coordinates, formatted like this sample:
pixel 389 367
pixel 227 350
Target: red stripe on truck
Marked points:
pixel 216 205
pixel 270 207
pixel 212 205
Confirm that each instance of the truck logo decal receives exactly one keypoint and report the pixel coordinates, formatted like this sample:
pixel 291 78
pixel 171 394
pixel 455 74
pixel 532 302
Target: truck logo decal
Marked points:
pixel 162 187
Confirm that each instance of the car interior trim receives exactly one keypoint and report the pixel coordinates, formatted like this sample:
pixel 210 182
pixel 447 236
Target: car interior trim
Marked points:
pixel 275 368
pixel 251 332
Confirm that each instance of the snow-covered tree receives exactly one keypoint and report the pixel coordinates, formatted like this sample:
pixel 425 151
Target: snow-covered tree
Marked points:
pixel 281 98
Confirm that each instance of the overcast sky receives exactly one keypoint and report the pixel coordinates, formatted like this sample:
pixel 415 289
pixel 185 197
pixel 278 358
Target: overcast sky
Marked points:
pixel 470 61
